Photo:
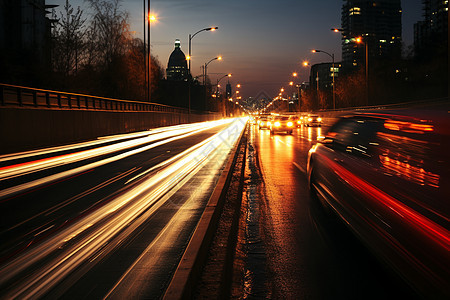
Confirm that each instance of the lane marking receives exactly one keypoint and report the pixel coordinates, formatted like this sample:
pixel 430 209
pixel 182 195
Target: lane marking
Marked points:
pixel 301 169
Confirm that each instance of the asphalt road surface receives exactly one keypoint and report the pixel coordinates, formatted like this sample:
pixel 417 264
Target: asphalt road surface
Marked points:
pixel 306 255
pixel 110 217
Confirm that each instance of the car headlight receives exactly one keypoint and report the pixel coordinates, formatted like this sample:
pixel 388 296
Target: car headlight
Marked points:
pixel 309 119
pixel 268 123
pixel 290 124
pixel 277 124
pixel 261 123
pixel 319 119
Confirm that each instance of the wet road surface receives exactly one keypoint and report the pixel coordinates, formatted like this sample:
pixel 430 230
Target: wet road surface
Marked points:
pixel 307 255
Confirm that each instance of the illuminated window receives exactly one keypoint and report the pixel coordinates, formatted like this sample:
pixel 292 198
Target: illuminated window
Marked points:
pixel 355 11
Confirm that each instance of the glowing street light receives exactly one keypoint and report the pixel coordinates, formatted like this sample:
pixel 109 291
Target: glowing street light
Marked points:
pixel 206 66
pixel 204 80
pixel 332 73
pixel 192 36
pixel 359 40
pixel 337 29
pixel 148 19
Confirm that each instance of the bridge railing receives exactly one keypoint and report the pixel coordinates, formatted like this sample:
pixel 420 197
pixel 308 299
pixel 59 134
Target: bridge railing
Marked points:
pixel 19 96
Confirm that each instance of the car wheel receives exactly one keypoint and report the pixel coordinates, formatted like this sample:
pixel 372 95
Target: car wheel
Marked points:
pixel 290 132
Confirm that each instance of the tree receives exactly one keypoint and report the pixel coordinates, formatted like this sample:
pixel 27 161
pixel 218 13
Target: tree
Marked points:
pixel 100 56
pixel 113 37
pixel 69 43
pixel 350 89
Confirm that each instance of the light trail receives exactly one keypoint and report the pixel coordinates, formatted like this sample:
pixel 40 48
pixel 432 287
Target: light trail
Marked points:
pixel 164 139
pixel 99 141
pixel 52 260
pixel 42 164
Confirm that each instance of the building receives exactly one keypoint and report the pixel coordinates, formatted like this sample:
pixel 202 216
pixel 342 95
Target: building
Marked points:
pixel 433 29
pixel 379 25
pixel 25 36
pixel 228 90
pixel 177 69
pixel 321 76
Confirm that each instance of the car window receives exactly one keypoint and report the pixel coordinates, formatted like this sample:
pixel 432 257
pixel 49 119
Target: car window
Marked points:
pixel 410 155
pixel 355 135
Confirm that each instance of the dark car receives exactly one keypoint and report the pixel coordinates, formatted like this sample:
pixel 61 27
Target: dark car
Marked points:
pixel 281 124
pixel 386 175
pixel 312 120
pixel 264 122
pixel 297 121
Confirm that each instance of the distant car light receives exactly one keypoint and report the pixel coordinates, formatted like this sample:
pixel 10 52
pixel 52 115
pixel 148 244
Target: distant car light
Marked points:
pixel 290 124
pixel 277 124
pixel 309 119
pixel 319 119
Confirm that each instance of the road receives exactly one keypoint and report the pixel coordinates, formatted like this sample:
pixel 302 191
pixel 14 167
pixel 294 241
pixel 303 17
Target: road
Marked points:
pixel 110 217
pixel 305 254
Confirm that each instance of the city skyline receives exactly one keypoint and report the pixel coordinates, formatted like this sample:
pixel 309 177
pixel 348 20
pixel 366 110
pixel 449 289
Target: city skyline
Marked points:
pixel 261 44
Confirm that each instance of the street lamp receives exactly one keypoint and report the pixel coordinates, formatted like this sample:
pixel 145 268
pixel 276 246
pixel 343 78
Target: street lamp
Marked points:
pixel 190 39
pixel 206 66
pixel 204 80
pixel 332 74
pixel 219 79
pixel 189 58
pixel 148 19
pixel 359 40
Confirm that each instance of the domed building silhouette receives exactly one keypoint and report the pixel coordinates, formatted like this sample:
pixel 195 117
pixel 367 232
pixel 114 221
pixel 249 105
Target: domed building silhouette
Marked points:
pixel 177 69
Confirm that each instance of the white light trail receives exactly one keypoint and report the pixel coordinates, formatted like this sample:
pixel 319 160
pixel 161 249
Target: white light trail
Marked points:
pixel 74 245
pixel 164 138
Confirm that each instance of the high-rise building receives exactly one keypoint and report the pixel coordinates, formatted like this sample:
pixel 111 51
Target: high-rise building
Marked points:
pixel 228 90
pixel 378 24
pixel 25 36
pixel 433 29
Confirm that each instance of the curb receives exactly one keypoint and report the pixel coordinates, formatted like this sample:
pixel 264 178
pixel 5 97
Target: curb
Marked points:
pixel 189 269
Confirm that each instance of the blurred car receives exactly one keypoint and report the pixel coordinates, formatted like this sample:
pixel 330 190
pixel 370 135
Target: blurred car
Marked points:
pixel 281 124
pixel 386 175
pixel 264 122
pixel 312 120
pixel 297 121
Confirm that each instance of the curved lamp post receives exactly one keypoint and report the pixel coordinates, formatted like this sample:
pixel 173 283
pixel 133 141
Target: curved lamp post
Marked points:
pixel 206 66
pixel 219 79
pixel 189 58
pixel 204 79
pixel 332 74
pixel 190 39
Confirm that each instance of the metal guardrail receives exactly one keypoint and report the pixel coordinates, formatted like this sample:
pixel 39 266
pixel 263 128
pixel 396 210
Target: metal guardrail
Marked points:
pixel 19 96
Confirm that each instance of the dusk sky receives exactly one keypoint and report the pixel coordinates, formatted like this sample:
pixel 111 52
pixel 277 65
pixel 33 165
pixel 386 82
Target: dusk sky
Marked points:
pixel 262 42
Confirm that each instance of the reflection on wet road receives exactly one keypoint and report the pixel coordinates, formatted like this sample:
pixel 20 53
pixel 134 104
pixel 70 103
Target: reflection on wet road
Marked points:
pixel 308 256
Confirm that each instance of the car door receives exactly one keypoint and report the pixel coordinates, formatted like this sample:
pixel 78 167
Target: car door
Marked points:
pixel 345 166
